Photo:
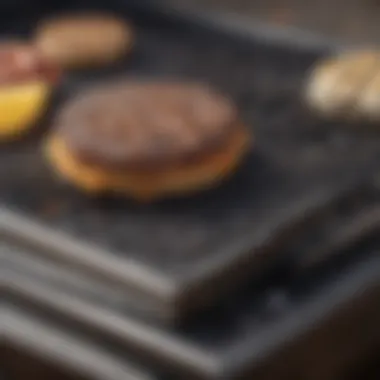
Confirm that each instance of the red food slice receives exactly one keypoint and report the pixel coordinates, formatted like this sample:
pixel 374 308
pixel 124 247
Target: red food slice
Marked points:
pixel 21 62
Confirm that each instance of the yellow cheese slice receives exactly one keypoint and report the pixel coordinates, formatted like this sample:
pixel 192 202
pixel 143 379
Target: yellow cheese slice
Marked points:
pixel 21 106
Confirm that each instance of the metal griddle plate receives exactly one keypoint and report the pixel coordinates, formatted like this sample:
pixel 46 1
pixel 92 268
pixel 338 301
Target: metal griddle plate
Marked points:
pixel 352 224
pixel 179 255
pixel 32 347
pixel 290 324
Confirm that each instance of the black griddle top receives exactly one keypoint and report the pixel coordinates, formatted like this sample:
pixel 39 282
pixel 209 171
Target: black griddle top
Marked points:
pixel 324 314
pixel 178 253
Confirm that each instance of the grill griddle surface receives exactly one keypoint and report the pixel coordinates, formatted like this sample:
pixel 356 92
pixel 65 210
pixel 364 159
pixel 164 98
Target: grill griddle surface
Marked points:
pixel 296 163
pixel 261 319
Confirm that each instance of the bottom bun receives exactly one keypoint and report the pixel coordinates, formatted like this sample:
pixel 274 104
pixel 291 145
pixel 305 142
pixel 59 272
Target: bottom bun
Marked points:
pixel 149 185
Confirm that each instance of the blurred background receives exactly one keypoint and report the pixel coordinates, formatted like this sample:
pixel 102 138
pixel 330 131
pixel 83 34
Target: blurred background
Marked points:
pixel 347 22
pixel 350 21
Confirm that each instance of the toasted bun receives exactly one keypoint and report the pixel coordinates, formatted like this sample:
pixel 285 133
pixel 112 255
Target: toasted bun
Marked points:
pixel 146 124
pixel 149 185
pixel 148 139
pixel 84 40
pixel 342 87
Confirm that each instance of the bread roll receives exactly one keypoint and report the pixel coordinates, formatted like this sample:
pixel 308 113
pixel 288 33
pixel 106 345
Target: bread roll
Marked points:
pixel 147 140
pixel 346 87
pixel 84 40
